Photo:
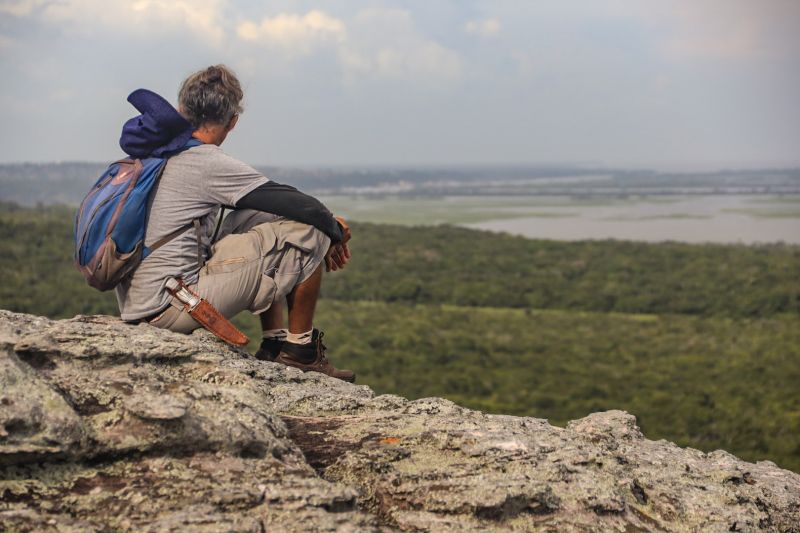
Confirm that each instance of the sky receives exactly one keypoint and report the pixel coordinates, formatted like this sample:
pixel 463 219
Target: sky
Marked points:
pixel 665 84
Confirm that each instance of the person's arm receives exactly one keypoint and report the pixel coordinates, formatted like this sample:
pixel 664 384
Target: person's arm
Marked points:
pixel 286 201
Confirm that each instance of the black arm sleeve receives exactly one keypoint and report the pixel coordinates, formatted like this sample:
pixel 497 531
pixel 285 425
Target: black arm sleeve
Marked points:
pixel 286 201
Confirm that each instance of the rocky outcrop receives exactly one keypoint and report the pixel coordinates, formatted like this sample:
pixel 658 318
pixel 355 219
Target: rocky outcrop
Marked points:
pixel 110 427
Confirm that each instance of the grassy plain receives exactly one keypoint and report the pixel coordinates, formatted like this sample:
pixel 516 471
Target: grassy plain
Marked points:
pixel 787 199
pixel 415 211
pixel 764 212
pixel 669 216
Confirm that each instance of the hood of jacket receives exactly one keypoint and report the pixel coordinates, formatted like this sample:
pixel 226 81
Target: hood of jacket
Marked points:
pixel 159 129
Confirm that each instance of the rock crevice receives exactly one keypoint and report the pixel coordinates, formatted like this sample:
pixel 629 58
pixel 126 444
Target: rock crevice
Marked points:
pixel 111 427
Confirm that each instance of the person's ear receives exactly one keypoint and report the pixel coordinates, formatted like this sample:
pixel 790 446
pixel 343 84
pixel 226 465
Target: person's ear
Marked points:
pixel 232 123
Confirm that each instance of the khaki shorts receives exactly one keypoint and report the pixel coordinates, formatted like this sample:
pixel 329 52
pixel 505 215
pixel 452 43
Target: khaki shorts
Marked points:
pixel 257 259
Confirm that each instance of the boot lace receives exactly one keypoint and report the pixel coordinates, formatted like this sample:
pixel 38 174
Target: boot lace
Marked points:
pixel 322 348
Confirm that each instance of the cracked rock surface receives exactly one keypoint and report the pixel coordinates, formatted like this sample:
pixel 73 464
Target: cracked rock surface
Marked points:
pixel 112 427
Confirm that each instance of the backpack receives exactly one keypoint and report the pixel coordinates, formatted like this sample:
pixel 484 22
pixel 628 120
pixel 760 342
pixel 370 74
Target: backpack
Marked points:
pixel 111 222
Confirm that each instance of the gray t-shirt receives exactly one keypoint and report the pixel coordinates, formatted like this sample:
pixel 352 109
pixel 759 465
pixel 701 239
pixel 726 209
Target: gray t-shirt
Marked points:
pixel 194 185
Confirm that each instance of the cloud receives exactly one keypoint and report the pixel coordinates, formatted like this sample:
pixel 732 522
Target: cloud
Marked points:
pixel 204 18
pixel 716 29
pixel 298 33
pixel 374 44
pixel 424 61
pixel 6 42
pixel 526 64
pixel 20 8
pixel 385 43
pixel 485 27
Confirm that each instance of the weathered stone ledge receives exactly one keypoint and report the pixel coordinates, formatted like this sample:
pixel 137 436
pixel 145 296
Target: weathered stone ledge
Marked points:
pixel 110 427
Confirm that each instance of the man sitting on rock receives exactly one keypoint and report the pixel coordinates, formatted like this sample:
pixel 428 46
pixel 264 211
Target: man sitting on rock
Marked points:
pixel 269 249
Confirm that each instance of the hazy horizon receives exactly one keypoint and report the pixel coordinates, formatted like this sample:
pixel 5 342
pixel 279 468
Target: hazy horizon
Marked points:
pixel 674 168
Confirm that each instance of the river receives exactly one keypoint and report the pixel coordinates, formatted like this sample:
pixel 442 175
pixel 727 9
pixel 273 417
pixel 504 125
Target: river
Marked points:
pixel 719 219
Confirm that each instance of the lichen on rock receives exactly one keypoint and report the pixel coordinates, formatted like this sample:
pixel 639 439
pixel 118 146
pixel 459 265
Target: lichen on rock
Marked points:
pixel 112 427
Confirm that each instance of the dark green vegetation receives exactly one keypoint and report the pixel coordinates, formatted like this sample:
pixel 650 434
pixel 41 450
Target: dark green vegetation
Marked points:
pixel 463 267
pixel 702 343
pixel 36 266
pixel 702 382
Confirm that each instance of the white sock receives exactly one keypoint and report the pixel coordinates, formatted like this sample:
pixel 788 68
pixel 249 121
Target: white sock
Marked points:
pixel 300 338
pixel 276 334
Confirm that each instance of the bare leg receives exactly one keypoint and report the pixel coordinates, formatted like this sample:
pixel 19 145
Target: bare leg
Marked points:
pixel 272 318
pixel 302 303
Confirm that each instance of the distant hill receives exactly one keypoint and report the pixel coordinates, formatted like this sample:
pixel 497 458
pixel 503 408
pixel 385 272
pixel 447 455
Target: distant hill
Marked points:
pixel 67 183
pixel 47 183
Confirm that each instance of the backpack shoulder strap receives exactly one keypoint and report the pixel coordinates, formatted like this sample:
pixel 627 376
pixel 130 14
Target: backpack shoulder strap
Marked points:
pixel 220 216
pixel 196 223
pixel 165 239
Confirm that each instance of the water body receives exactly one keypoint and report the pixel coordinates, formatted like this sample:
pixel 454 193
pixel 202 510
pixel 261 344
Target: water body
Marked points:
pixel 717 219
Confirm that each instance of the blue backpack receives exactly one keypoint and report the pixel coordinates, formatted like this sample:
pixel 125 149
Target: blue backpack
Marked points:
pixel 111 222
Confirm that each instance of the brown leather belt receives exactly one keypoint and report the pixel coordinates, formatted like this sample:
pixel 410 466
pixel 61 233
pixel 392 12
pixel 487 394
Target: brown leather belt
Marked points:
pixel 205 313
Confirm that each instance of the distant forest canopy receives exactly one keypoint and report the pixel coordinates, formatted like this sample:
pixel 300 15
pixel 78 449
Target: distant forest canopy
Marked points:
pixel 464 267
pixel 700 342
pixel 67 183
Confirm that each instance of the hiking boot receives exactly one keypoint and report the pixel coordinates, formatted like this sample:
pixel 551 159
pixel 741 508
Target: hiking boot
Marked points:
pixel 269 349
pixel 311 358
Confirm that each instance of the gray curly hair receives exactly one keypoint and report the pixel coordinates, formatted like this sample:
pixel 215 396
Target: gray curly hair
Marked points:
pixel 211 95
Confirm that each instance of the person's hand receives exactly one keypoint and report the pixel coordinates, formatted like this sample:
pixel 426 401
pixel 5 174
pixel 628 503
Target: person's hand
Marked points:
pixel 339 253
pixel 337 257
pixel 345 229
